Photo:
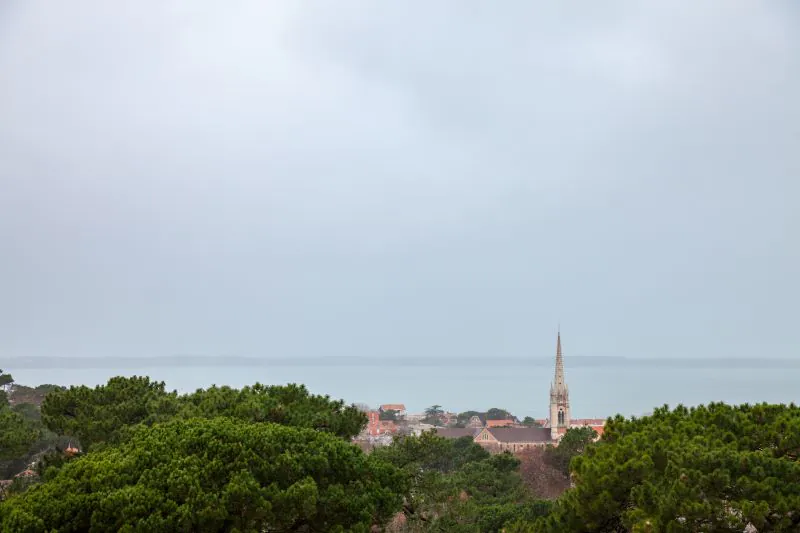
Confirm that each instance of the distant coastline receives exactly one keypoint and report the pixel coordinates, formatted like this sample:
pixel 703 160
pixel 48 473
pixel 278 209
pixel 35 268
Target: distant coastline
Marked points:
pixel 573 361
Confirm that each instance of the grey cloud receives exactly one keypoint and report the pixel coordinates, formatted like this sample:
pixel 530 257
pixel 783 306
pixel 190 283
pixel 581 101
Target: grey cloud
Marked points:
pixel 364 179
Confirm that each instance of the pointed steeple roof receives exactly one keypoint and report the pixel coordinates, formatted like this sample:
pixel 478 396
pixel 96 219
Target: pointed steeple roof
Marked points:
pixel 559 383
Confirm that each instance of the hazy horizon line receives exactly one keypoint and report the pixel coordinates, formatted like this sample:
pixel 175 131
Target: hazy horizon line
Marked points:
pixel 573 361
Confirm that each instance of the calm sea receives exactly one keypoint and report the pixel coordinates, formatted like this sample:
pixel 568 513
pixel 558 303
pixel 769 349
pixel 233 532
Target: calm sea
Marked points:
pixel 595 390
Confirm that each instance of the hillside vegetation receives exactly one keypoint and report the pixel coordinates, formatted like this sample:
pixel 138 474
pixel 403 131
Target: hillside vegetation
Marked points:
pixel 277 458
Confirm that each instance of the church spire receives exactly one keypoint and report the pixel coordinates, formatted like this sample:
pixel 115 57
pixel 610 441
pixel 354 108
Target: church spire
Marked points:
pixel 559 378
pixel 559 397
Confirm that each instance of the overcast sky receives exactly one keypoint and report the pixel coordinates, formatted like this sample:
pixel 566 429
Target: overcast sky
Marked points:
pixel 406 178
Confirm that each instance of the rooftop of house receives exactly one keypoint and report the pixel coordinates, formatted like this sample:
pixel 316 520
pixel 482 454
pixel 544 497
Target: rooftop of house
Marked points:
pixel 393 407
pixel 500 423
pixel 476 421
pixel 525 434
pixel 456 433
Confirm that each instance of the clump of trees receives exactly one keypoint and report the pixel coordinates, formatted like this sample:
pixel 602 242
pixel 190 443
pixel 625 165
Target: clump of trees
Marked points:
pixel 433 415
pixel 17 433
pixel 574 442
pixel 278 458
pixel 530 422
pixel 494 413
pixel 217 474
pixel 456 485
pixel 709 468
pixel 388 415
pixel 104 414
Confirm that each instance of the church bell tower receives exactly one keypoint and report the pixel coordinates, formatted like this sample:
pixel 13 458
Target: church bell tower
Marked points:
pixel 559 398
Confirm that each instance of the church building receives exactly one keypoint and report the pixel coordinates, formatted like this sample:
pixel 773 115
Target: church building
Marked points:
pixel 559 398
pixel 498 439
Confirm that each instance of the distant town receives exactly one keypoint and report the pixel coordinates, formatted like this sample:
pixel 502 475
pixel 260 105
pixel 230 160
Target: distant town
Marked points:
pixel 495 429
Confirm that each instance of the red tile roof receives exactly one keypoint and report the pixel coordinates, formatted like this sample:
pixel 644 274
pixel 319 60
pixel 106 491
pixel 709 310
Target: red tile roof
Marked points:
pixel 500 423
pixel 393 407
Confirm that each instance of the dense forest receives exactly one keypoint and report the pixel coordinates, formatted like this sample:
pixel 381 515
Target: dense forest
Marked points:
pixel 131 456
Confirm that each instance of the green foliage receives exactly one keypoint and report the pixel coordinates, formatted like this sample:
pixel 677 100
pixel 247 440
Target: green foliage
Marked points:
pixel 573 443
pixel 213 475
pixel 530 422
pixel 291 405
pixel 464 417
pixel 495 413
pixel 22 438
pixel 47 388
pixel 515 518
pixel 5 379
pixel 16 433
pixel 28 411
pixel 433 415
pixel 50 463
pixel 711 468
pixel 389 414
pixel 32 395
pixel 105 414
pixel 455 484
pixel 429 452
pixel 101 415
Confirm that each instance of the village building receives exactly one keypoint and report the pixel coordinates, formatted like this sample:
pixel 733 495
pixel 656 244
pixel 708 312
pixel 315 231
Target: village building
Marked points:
pixel 449 419
pixel 377 427
pixel 475 421
pixel 513 439
pixel 457 433
pixel 398 408
pixel 559 398
pixel 597 424
pixel 508 435
pixel 505 423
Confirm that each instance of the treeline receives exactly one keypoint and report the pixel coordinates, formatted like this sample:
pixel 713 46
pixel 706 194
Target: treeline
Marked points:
pixel 277 458
pixel 23 436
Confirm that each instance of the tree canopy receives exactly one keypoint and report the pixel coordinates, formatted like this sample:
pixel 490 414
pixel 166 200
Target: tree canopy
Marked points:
pixel 433 415
pixel 277 458
pixel 464 417
pixel 495 413
pixel 573 443
pixel 291 404
pixel 104 414
pixel 17 433
pixel 389 414
pixel 711 468
pixel 100 414
pixel 456 485
pixel 530 421
pixel 5 379
pixel 215 474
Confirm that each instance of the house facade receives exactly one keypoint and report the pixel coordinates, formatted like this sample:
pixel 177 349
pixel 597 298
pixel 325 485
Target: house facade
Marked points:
pixel 513 439
pixel 377 427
